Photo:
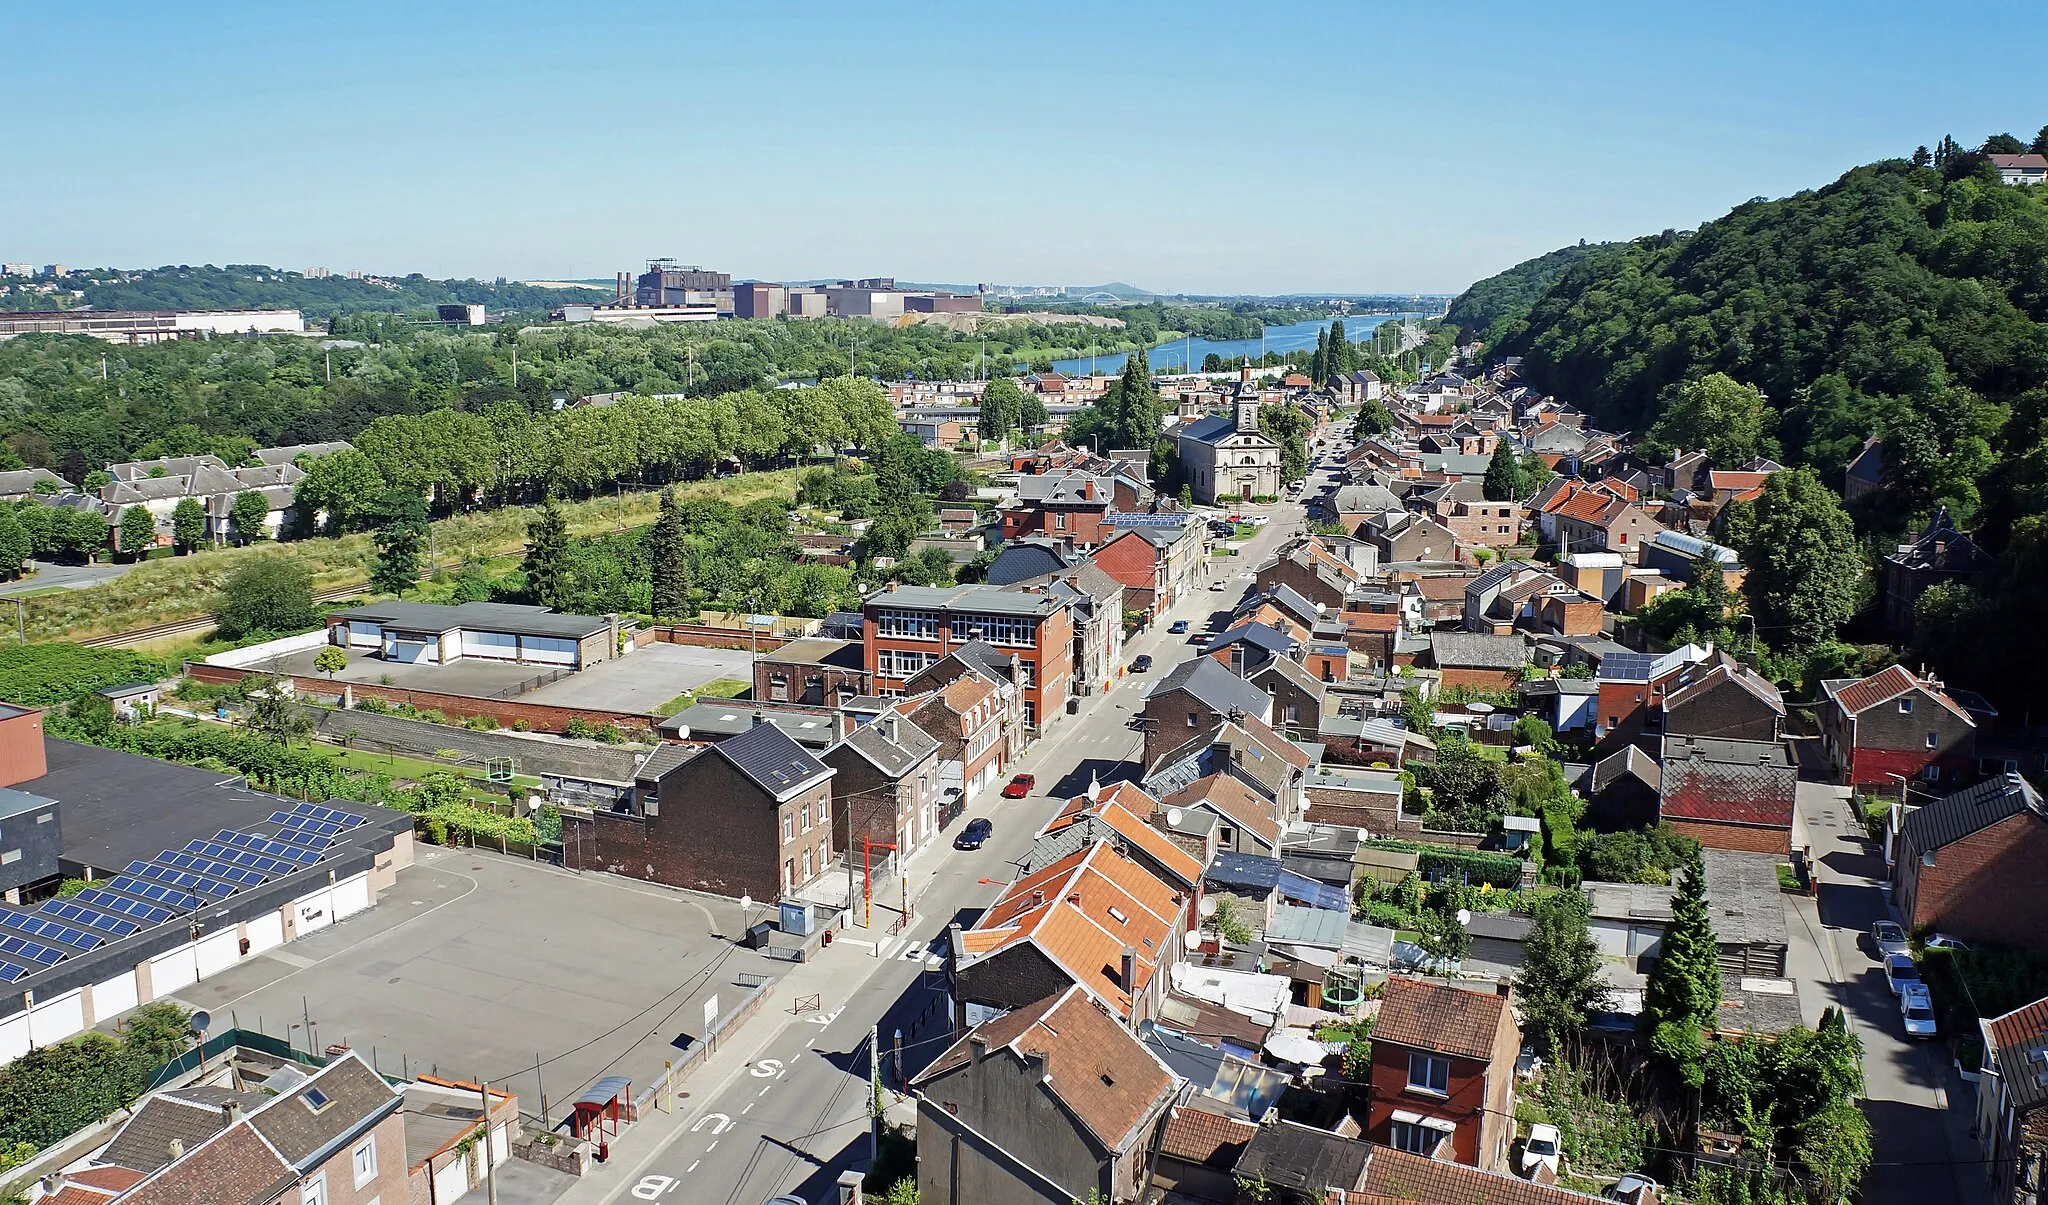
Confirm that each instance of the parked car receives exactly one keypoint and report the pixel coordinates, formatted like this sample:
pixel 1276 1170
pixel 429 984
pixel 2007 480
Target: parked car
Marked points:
pixel 1178 627
pixel 1020 786
pixel 1217 584
pixel 1916 1008
pixel 1634 1188
pixel 1142 664
pixel 1540 1150
pixel 1887 939
pixel 1942 941
pixel 1900 970
pixel 976 832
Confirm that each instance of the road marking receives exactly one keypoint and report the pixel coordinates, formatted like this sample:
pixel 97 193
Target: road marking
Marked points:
pixel 765 1068
pixel 692 1167
pixel 748 1109
pixel 764 1090
pixel 712 1147
pixel 650 1188
pixel 717 1121
pixel 824 1019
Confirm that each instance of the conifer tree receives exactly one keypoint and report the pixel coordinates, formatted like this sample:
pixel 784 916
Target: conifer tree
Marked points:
pixel 1683 997
pixel 668 561
pixel 547 544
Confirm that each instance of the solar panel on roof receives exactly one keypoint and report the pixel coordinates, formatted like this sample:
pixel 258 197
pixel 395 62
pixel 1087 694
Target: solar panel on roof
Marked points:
pixel 74 911
pixel 276 868
pixel 34 951
pixel 49 930
pixel 321 828
pixel 10 971
pixel 147 913
pixel 1626 667
pixel 183 901
pixel 212 868
pixel 325 814
pixel 265 845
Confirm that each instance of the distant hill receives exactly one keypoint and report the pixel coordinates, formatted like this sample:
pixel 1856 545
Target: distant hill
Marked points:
pixel 1495 305
pixel 254 286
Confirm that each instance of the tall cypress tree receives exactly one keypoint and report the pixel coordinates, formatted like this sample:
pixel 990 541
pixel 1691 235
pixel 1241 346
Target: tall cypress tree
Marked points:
pixel 400 536
pixel 1503 474
pixel 1683 997
pixel 668 561
pixel 1319 363
pixel 1338 359
pixel 547 546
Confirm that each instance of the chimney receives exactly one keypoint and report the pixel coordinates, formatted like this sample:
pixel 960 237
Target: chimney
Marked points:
pixel 231 1112
pixel 177 1149
pixel 978 1043
pixel 760 718
pixel 892 730
pixel 1127 967
pixel 53 1184
pixel 1504 987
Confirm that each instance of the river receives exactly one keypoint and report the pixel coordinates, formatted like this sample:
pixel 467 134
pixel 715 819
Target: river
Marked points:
pixel 1184 353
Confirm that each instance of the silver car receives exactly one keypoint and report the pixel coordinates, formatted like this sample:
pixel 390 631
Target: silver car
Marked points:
pixel 1901 973
pixel 1887 939
pixel 1916 1008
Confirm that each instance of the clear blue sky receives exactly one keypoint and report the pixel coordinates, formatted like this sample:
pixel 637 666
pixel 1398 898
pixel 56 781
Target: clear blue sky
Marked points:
pixel 1261 147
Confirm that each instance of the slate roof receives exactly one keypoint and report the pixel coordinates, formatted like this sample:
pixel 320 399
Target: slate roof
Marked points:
pixel 144 1144
pixel 1245 874
pixel 1232 799
pixel 2020 1040
pixel 1440 1018
pixel 1730 782
pixel 303 1130
pixel 1743 895
pixel 767 756
pixel 893 744
pixel 1630 760
pixel 1970 810
pixel 1289 1155
pixel 1022 561
pixel 1756 684
pixel 235 1166
pixel 1468 650
pixel 1215 429
pixel 1101 1073
pixel 1220 690
pixel 1258 635
pixel 291 452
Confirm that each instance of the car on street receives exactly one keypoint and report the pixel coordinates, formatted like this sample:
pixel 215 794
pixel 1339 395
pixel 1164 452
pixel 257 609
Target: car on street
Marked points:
pixel 1634 1188
pixel 1179 627
pixel 1942 941
pixel 1900 970
pixel 976 832
pixel 1217 584
pixel 1020 786
pixel 1916 1009
pixel 1887 939
pixel 1142 664
pixel 1540 1150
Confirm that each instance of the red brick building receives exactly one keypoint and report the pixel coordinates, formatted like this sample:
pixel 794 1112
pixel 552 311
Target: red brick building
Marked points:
pixel 1875 730
pixel 1729 794
pixel 1443 1073
pixel 910 628
pixel 1969 865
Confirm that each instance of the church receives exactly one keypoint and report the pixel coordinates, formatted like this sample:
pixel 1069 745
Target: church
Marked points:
pixel 1227 458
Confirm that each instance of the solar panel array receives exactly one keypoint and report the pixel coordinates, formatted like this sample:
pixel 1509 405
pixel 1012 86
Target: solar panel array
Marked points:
pixel 48 929
pixel 198 884
pixel 11 971
pixel 169 897
pixel 72 910
pixel 34 951
pixel 142 910
pixel 265 845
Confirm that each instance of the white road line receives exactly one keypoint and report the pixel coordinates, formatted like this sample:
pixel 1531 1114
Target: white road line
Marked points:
pixel 764 1090
pixel 692 1167
pixel 748 1109
pixel 712 1147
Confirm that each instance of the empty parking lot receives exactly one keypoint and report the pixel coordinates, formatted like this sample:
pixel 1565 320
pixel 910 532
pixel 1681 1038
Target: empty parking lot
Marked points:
pixel 645 678
pixel 474 965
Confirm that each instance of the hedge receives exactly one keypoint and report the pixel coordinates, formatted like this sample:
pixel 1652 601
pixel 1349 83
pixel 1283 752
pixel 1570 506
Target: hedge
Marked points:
pixel 1436 862
pixel 38 675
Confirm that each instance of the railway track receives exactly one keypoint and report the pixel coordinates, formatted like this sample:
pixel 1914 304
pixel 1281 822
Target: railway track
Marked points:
pixel 198 623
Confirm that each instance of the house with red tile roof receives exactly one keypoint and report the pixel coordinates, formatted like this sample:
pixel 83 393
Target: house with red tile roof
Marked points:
pixel 1729 794
pixel 1894 725
pixel 1443 1072
pixel 2012 1101
pixel 1121 811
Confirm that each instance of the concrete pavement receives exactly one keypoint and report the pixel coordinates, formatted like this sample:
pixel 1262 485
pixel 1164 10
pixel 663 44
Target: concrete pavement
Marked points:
pixel 782 1106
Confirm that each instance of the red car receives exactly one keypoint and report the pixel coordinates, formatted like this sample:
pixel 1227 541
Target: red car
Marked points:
pixel 1020 786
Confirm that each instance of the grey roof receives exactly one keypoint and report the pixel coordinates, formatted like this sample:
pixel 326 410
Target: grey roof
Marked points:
pixel 1023 561
pixel 1629 901
pixel 1318 927
pixel 1218 688
pixel 1973 809
pixel 1468 650
pixel 1500 926
pixel 14 803
pixel 893 744
pixel 1258 635
pixel 716 719
pixel 1743 895
pixel 1290 1155
pixel 1758 1005
pixel 291 452
pixel 1214 429
pixel 356 1098
pixel 992 600
pixel 516 618
pixel 1366 497
pixel 185 1115
pixel 983 656
pixel 774 762
pixel 1626 761
pixel 817 650
pixel 664 759
pixel 1293 600
pixel 24 481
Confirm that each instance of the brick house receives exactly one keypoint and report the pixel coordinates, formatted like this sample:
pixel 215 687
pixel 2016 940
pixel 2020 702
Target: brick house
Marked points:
pixel 1969 865
pixel 2012 1103
pixel 1894 723
pixel 1053 1102
pixel 750 815
pixel 813 671
pixel 1296 692
pixel 1483 662
pixel 1408 536
pixel 1941 555
pixel 1730 701
pixel 907 629
pixel 986 730
pixel 1596 521
pixel 885 785
pixel 1729 794
pixel 1198 694
pixel 1155 562
pixel 1443 1073
pixel 1462 506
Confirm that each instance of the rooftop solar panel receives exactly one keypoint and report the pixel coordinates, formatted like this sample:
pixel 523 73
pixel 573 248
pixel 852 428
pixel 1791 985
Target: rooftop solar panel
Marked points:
pixel 178 876
pixel 212 868
pixel 266 845
pixel 142 910
pixel 171 897
pixel 276 868
pixel 1626 667
pixel 311 842
pixel 325 814
pixel 33 951
pixel 74 911
pixel 11 971
pixel 47 929
pixel 326 829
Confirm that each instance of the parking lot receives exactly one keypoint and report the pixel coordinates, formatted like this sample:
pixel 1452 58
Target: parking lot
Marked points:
pixel 645 678
pixel 475 966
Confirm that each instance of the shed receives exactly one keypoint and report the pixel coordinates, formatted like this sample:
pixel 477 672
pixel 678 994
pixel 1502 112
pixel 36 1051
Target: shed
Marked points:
pixel 1517 832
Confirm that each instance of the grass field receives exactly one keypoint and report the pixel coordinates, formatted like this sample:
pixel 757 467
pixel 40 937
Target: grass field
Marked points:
pixel 174 588
pixel 717 688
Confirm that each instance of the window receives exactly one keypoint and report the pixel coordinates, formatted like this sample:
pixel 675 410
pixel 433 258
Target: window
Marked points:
pixel 1905 707
pixel 1194 719
pixel 1429 1073
pixel 1930 773
pixel 807 866
pixel 788 826
pixel 314 1191
pixel 807 817
pixel 1933 738
pixel 1413 1138
pixel 366 1161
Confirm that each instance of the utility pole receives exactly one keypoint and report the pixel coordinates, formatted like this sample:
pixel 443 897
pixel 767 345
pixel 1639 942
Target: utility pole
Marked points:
pixel 490 1161
pixel 874 1094
pixel 515 364
pixel 329 357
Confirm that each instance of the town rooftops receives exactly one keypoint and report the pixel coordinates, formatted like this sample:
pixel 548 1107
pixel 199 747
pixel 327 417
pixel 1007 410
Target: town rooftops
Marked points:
pixel 1439 1018
pixel 1855 696
pixel 992 600
pixel 2025 162
pixel 1765 690
pixel 1628 901
pixel 290 453
pixel 716 719
pixel 1124 808
pixel 1195 1135
pixel 1220 690
pixel 892 744
pixel 516 618
pixel 1393 1175
pixel 1258 635
pixel 767 756
pixel 816 650
pixel 1971 810
pixel 1743 895
pixel 1290 1156
pixel 2019 1039
pixel 1733 782
pixel 188 1115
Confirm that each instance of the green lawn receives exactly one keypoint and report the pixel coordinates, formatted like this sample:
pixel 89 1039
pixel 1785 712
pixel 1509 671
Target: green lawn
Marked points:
pixel 724 688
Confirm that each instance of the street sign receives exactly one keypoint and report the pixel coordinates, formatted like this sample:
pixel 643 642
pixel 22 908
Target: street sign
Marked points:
pixel 710 1015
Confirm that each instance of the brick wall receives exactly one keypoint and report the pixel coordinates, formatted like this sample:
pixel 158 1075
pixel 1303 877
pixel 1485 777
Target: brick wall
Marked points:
pixel 1481 679
pixel 1355 809
pixel 716 832
pixel 705 636
pixel 1753 838
pixel 506 713
pixel 1987 887
pixel 1466 1104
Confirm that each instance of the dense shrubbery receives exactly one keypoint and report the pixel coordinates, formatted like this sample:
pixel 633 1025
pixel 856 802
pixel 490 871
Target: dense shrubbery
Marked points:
pixel 54 1091
pixel 39 675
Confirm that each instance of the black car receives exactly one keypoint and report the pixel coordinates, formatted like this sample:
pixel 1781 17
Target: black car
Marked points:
pixel 1143 664
pixel 974 834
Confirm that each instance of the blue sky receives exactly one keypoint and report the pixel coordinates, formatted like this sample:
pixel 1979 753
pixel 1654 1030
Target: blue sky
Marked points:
pixel 1263 147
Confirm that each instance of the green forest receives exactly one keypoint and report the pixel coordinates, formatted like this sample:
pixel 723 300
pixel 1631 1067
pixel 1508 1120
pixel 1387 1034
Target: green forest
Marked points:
pixel 1909 301
pixel 1493 306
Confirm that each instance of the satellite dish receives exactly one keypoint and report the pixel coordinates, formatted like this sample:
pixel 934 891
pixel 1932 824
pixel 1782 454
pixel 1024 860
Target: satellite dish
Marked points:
pixel 1207 908
pixel 746 902
pixel 1464 916
pixel 200 1021
pixel 1174 816
pixel 1192 939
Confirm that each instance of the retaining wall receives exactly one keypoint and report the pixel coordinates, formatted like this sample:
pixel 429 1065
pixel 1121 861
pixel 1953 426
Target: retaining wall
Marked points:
pixel 506 713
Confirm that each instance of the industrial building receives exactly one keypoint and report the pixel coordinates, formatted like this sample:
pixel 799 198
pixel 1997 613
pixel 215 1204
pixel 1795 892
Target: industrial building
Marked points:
pixel 666 283
pixel 439 635
pixel 152 326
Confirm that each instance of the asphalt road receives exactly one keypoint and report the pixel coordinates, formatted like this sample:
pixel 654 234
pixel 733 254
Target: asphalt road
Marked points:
pixel 796 1117
pixel 71 577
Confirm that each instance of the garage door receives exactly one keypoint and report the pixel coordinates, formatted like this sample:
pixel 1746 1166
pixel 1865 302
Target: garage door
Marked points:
pixel 169 972
pixel 452 1181
pixel 218 951
pixel 498 646
pixel 548 650
pixel 365 635
pixel 265 932
pixel 408 651
pixel 113 997
pixel 351 896
pixel 58 1019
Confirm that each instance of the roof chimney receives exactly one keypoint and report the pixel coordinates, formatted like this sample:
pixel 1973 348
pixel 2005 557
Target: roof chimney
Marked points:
pixel 53 1184
pixel 760 718
pixel 231 1112
pixel 1127 968
pixel 978 1043
pixel 177 1148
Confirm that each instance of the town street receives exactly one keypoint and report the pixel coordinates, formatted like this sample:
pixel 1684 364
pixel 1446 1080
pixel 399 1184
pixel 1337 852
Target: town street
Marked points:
pixel 796 1116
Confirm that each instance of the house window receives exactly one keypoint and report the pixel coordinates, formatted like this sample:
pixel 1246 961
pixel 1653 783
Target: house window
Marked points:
pixel 1194 719
pixel 1930 773
pixel 1905 707
pixel 1933 739
pixel 807 866
pixel 1429 1073
pixel 366 1162
pixel 314 1191
pixel 788 826
pixel 807 817
pixel 1414 1137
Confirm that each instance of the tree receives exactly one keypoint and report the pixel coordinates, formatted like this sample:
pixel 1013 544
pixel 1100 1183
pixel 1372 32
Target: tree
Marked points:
pixel 1921 156
pixel 1340 357
pixel 1002 408
pixel 2040 143
pixel 188 524
pixel 274 713
pixel 15 545
pixel 271 593
pixel 1683 997
pixel 1032 415
pixel 249 516
pixel 1560 981
pixel 1288 426
pixel 1806 574
pixel 338 493
pixel 547 546
pixel 1373 419
pixel 331 660
pixel 2004 144
pixel 1718 415
pixel 400 537
pixel 668 561
pixel 138 532
pixel 1319 361
pixel 1503 474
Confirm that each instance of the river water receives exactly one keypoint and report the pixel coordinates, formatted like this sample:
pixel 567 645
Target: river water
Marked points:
pixel 1189 353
